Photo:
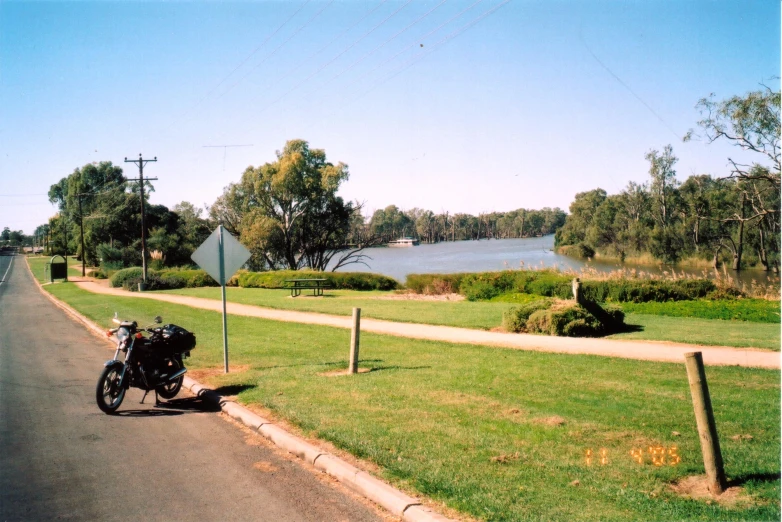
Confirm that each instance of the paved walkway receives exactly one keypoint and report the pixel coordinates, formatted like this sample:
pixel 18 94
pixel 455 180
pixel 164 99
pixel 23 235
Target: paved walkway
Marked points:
pixel 642 350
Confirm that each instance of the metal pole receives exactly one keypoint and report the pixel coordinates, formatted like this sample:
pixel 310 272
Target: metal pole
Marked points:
pixel 222 286
pixel 707 428
pixel 143 232
pixel 354 340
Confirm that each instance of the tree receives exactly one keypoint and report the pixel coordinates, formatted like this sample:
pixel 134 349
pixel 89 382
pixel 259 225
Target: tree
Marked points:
pixel 751 123
pixel 85 198
pixel 582 210
pixel 663 185
pixel 290 214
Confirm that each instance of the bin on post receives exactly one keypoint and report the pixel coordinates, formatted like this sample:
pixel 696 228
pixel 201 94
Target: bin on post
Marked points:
pixel 57 270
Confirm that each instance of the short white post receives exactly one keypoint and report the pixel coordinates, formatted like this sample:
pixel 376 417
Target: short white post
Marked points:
pixel 354 340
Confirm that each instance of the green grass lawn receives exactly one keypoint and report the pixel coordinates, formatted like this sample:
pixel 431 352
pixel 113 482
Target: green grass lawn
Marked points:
pixel 466 314
pixel 487 315
pixel 496 434
pixel 754 310
pixel 702 331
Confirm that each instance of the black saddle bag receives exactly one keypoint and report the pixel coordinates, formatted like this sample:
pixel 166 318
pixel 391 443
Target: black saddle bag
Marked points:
pixel 176 339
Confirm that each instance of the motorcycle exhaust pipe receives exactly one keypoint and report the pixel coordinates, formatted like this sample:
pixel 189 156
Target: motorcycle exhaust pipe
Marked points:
pixel 178 374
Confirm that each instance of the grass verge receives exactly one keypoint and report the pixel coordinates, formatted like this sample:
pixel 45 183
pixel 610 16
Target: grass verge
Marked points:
pixel 480 430
pixel 488 315
pixel 484 315
pixel 701 331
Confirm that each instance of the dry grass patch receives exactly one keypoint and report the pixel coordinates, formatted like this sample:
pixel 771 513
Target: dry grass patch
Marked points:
pixel 554 420
pixel 204 375
pixel 696 487
pixel 410 296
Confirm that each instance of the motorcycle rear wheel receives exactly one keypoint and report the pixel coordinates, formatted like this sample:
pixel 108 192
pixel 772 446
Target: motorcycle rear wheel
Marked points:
pixel 108 393
pixel 170 389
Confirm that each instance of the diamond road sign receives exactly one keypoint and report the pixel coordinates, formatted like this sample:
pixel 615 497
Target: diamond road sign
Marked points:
pixel 208 255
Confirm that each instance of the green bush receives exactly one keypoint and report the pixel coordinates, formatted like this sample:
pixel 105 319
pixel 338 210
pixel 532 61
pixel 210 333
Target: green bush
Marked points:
pixel 515 319
pixel 572 321
pixel 644 290
pixel 161 280
pixel 120 277
pixel 338 280
pixel 564 319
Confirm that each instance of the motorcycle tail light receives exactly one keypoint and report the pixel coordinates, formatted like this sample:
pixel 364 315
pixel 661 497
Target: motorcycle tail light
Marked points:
pixel 108 333
pixel 138 335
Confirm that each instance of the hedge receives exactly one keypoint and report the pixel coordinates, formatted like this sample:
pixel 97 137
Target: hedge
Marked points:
pixel 548 283
pixel 129 279
pixel 338 280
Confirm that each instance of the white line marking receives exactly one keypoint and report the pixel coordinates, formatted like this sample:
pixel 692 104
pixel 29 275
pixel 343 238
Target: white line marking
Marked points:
pixel 7 269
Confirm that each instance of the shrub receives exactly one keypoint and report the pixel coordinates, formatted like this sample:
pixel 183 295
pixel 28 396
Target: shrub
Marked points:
pixel 338 280
pixel 564 319
pixel 161 280
pixel 515 319
pixel 120 277
pixel 571 320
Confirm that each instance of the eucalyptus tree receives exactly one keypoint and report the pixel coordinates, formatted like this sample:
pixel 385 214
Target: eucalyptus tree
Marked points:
pixel 288 211
pixel 752 124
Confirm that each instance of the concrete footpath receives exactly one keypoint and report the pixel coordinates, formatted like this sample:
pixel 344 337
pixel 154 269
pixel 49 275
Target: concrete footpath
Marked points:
pixel 641 350
pixel 396 502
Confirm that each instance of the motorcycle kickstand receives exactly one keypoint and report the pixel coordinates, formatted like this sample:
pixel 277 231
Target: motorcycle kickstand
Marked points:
pixel 145 396
pixel 157 401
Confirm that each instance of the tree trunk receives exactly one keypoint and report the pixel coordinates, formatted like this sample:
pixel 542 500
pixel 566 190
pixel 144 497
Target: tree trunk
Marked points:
pixel 740 247
pixel 762 248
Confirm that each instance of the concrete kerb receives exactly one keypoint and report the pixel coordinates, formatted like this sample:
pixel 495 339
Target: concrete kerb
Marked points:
pixel 385 495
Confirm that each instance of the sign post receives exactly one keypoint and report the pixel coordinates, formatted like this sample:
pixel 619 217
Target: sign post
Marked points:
pixel 221 255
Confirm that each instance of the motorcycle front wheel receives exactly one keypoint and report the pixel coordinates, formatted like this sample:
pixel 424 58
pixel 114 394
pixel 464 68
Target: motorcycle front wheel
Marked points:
pixel 170 389
pixel 109 393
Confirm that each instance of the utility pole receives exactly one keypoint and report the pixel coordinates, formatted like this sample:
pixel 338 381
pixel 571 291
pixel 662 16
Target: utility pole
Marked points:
pixel 141 162
pixel 81 229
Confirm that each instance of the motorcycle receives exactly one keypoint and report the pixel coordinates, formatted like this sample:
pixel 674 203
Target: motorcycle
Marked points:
pixel 153 363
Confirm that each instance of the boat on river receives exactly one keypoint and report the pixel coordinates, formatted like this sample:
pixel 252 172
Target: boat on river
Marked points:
pixel 404 242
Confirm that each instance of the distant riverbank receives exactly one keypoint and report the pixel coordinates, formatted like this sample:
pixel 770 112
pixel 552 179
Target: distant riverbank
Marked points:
pixel 502 254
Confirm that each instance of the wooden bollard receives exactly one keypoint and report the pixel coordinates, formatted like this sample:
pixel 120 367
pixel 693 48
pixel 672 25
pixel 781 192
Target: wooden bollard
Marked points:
pixel 707 428
pixel 354 340
pixel 577 290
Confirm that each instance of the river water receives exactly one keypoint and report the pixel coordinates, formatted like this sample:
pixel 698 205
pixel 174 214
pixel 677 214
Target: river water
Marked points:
pixel 491 255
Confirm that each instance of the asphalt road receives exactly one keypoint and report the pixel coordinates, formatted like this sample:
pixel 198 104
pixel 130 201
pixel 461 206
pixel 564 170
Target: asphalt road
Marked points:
pixel 62 458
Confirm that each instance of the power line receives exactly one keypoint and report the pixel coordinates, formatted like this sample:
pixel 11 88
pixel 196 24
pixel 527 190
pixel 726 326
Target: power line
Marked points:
pixel 623 84
pixel 241 64
pixel 297 31
pixel 433 48
pixel 340 35
pixel 305 80
pixel 422 38
pixel 370 53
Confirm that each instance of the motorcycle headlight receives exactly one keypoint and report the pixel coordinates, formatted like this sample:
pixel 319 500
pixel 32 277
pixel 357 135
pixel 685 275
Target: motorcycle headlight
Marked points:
pixel 122 334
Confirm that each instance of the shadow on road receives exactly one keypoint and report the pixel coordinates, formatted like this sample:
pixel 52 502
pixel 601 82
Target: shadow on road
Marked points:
pixel 172 408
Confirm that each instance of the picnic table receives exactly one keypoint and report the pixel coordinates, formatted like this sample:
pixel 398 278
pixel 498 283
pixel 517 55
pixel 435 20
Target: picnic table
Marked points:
pixel 316 285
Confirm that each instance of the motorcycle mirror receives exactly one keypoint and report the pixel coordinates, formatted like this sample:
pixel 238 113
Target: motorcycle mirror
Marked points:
pixel 158 319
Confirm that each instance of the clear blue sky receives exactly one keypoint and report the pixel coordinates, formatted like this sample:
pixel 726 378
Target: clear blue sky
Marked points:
pixel 513 112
